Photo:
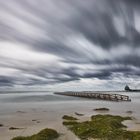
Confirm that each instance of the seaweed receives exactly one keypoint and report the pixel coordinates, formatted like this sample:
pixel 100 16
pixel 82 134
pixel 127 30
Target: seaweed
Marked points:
pixel 66 117
pixel 101 109
pixel 103 127
pixel 45 134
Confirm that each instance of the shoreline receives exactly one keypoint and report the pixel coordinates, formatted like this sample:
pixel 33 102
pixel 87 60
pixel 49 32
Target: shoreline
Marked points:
pixel 34 121
pixel 34 113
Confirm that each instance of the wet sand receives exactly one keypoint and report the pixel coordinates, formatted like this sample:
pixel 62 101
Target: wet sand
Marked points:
pixel 32 117
pixel 31 123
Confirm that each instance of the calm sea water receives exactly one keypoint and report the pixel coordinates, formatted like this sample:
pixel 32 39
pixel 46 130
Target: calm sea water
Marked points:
pixel 12 102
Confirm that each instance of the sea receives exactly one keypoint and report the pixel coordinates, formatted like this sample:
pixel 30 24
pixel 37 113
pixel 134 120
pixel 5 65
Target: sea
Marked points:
pixel 18 109
pixel 10 102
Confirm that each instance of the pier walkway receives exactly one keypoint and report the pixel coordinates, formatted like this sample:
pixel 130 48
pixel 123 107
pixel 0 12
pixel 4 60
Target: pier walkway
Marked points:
pixel 100 96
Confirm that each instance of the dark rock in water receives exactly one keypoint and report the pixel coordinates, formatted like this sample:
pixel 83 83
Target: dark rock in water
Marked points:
pixel 78 114
pixel 137 122
pixel 14 128
pixel 1 125
pixel 21 112
pixel 101 109
pixel 37 121
pixel 129 112
pixel 34 120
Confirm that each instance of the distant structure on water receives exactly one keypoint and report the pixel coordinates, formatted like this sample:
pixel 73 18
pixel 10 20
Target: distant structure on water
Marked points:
pixel 131 90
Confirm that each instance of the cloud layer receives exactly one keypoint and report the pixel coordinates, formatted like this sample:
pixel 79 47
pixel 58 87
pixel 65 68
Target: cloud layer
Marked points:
pixel 55 44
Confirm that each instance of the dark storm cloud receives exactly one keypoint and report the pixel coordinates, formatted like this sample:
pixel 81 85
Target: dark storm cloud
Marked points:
pixel 85 39
pixel 97 23
pixel 6 81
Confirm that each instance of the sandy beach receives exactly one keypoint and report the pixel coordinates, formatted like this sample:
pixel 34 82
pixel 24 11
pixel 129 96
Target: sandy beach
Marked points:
pixel 52 47
pixel 32 113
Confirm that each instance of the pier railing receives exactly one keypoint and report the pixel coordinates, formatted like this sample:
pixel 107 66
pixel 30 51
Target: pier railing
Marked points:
pixel 100 96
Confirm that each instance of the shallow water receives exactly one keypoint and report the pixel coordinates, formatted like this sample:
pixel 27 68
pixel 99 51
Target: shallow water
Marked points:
pixel 13 101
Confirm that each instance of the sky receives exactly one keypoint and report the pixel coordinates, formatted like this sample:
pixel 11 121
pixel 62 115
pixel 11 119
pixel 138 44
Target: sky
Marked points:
pixel 69 44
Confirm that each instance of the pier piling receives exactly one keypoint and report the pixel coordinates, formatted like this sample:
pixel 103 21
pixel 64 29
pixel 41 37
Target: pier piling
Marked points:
pixel 100 96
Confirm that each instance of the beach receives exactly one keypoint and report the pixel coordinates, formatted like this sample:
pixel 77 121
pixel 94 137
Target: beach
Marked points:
pixel 32 112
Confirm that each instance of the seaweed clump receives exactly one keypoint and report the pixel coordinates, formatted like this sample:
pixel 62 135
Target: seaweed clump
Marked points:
pixel 103 127
pixel 45 134
pixel 101 109
pixel 69 120
pixel 66 117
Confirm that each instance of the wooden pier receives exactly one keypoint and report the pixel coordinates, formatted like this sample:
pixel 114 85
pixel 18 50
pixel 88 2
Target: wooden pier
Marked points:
pixel 100 96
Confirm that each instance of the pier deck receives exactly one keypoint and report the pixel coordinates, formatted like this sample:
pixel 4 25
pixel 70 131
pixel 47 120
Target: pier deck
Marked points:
pixel 100 96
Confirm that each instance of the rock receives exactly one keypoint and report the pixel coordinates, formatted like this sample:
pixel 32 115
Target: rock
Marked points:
pixel 101 109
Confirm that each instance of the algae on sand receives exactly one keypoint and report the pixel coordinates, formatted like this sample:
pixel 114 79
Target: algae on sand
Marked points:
pixel 45 134
pixel 103 127
pixel 101 109
pixel 70 118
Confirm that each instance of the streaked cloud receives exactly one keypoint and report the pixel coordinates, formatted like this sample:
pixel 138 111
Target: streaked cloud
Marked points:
pixel 57 44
